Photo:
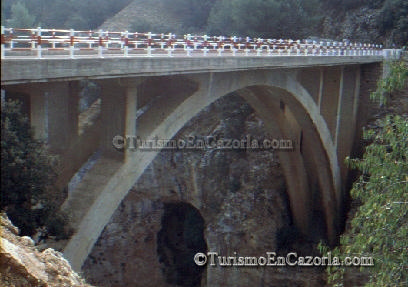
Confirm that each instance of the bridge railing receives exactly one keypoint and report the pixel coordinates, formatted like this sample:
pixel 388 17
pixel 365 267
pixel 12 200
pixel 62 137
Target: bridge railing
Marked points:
pixel 71 43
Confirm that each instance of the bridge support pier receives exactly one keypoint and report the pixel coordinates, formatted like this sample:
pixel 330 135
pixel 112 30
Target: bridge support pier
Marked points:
pixel 53 111
pixel 113 107
pixel 62 120
pixel 346 116
pixel 330 97
pixel 119 113
pixel 38 115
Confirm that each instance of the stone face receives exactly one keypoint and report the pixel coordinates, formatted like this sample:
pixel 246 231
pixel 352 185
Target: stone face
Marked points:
pixel 21 264
pixel 240 195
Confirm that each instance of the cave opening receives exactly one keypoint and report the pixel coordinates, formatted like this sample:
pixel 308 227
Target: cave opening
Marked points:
pixel 180 238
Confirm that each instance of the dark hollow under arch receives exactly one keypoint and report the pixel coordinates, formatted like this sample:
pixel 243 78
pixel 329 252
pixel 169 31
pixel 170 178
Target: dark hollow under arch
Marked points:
pixel 180 238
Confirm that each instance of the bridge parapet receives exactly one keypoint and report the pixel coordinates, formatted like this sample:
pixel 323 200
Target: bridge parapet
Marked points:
pixel 40 43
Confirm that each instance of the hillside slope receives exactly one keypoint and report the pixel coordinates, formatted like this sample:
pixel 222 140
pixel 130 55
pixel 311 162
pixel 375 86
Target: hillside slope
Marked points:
pixel 144 16
pixel 383 23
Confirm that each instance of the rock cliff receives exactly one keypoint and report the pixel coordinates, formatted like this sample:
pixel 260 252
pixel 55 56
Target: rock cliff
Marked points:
pixel 22 264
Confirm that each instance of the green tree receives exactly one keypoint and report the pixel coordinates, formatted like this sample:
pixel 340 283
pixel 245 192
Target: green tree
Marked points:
pixel 396 80
pixel 393 21
pixel 264 18
pixel 193 13
pixel 26 176
pixel 79 14
pixel 379 228
pixel 20 17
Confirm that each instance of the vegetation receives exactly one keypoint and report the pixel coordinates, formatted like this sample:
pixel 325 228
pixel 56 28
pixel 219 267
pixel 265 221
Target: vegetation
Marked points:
pixel 255 18
pixel 395 81
pixel 264 18
pixel 20 17
pixel 26 176
pixel 77 14
pixel 379 228
pixel 194 13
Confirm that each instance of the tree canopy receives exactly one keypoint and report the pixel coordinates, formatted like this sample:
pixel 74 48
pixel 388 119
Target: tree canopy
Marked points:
pixel 379 227
pixel 77 14
pixel 255 18
pixel 27 175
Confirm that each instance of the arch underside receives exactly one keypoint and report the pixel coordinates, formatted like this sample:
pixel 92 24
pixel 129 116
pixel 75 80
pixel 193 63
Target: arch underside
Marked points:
pixel 288 111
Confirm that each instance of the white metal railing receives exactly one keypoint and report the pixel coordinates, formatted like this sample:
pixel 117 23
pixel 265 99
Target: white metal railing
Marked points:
pixel 41 43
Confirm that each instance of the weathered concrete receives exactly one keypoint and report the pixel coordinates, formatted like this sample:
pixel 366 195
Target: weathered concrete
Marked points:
pixel 17 71
pixel 212 86
pixel 312 100
pixel 53 110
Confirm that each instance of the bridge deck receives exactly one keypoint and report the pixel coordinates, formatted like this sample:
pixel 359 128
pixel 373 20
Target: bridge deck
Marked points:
pixel 28 70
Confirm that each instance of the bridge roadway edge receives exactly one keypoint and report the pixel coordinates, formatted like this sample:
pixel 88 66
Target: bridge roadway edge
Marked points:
pixel 19 71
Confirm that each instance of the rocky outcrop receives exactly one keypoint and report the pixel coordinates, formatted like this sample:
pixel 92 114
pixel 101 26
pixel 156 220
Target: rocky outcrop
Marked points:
pixel 21 264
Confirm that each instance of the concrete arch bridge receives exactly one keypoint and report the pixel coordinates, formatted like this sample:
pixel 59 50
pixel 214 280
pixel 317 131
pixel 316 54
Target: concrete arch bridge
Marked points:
pixel 320 102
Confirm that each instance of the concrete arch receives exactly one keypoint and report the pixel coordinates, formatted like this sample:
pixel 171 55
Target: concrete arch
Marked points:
pixel 212 86
pixel 310 160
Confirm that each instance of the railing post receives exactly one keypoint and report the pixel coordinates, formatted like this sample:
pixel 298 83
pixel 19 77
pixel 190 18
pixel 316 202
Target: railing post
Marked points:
pixel 149 44
pixel 220 45
pixel 162 42
pixel 220 50
pixel 100 44
pixel 169 51
pixel 71 43
pixel 188 49
pixel 268 50
pixel 205 44
pixel 126 47
pixel 11 39
pixel 3 43
pixel 258 51
pixel 169 47
pixel 205 51
pixel 39 43
pixel 90 37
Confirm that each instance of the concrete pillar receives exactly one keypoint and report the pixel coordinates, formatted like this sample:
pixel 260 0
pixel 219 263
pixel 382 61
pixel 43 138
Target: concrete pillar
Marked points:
pixel 339 106
pixel 310 80
pixel 62 114
pixel 113 110
pixel 38 115
pixel 131 118
pixel 321 79
pixel 346 122
pixel 329 99
pixel 53 112
pixel 119 113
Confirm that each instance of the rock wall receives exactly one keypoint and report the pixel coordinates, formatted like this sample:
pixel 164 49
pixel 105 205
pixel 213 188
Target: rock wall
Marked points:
pixel 21 264
pixel 190 201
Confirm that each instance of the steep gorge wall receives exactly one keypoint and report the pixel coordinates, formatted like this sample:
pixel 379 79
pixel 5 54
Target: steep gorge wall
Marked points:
pixel 240 196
